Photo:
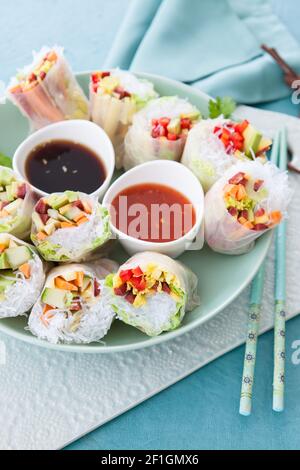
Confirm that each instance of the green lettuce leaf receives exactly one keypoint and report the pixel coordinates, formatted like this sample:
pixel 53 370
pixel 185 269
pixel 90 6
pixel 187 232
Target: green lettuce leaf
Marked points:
pixel 5 160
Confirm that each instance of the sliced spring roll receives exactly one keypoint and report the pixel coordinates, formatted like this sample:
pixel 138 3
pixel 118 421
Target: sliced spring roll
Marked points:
pixel 115 97
pixel 47 91
pixel 159 131
pixel 16 204
pixel 69 227
pixel 250 199
pixel 22 276
pixel 73 307
pixel 214 145
pixel 152 292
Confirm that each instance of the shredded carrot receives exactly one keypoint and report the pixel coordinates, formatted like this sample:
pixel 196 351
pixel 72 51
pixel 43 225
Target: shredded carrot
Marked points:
pixel 242 220
pixel 248 225
pixel 41 236
pixel 2 247
pixel 47 308
pixel 66 225
pixel 79 279
pixel 60 283
pixel 83 220
pixel 52 56
pixel 44 320
pixel 79 216
pixel 25 269
pixel 241 193
pixel 4 213
pixel 87 207
pixel 276 217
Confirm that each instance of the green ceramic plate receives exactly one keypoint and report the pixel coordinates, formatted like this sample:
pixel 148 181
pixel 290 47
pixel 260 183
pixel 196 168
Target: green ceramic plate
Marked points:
pixel 221 278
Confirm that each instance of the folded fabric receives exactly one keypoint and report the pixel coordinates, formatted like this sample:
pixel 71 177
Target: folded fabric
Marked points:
pixel 213 44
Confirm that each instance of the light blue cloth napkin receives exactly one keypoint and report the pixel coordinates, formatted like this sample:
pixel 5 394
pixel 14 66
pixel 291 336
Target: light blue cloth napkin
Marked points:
pixel 213 44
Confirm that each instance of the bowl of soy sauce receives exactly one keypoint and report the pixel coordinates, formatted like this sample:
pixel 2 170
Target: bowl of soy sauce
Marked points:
pixel 71 155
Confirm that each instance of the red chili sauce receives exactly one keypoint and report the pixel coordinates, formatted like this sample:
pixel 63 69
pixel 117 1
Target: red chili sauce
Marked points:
pixel 153 212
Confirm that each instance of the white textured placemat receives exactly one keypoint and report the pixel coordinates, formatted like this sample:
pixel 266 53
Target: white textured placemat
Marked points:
pixel 49 398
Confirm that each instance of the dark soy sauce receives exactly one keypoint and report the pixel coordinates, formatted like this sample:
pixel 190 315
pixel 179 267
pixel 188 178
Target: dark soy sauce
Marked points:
pixel 60 165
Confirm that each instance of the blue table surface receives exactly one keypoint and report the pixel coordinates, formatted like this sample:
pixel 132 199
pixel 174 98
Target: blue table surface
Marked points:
pixel 201 411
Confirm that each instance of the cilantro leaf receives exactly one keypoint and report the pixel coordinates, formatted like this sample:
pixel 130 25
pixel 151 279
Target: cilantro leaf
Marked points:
pixel 5 161
pixel 225 106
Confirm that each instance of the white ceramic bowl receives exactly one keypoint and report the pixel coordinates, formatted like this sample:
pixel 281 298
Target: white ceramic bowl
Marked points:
pixel 171 174
pixel 83 132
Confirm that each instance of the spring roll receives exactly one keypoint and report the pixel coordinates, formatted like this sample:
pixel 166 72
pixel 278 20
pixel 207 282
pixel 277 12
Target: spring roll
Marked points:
pixel 152 292
pixel 73 307
pixel 69 227
pixel 115 97
pixel 16 204
pixel 47 91
pixel 250 199
pixel 159 131
pixel 215 145
pixel 22 276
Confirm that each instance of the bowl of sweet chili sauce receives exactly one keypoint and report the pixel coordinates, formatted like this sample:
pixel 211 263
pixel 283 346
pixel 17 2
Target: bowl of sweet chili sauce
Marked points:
pixel 157 206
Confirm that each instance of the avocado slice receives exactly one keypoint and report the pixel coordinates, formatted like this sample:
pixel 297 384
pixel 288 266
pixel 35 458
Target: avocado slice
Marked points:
pixel 252 140
pixel 18 256
pixel 192 116
pixel 14 206
pixel 109 84
pixel 264 144
pixel 57 201
pixel 58 298
pixel 4 264
pixel 256 196
pixel 86 281
pixel 73 212
pixel 72 196
pixel 54 214
pixel 49 228
pixel 12 191
pixel 37 222
pixel 6 176
pixel 5 283
pixel 3 196
pixel 174 126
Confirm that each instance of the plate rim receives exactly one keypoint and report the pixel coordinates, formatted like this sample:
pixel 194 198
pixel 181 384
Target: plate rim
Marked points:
pixel 149 341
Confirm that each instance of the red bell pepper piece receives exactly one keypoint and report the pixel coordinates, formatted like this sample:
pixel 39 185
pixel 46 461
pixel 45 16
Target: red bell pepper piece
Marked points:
pixel 126 275
pixel 137 272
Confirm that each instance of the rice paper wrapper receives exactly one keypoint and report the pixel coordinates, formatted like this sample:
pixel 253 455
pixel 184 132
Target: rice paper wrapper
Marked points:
pixel 223 233
pixel 21 296
pixel 89 325
pixel 115 115
pixel 141 147
pixel 161 312
pixel 87 242
pixel 204 153
pixel 56 98
pixel 19 224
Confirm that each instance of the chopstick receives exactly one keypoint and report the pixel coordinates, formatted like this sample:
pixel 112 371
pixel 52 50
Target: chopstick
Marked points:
pixel 280 298
pixel 254 320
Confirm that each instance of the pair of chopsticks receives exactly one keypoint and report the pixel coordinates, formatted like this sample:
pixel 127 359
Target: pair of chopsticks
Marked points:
pixel 278 157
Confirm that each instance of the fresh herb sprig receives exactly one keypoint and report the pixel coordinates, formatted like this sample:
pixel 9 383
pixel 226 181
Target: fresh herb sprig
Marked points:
pixel 221 106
